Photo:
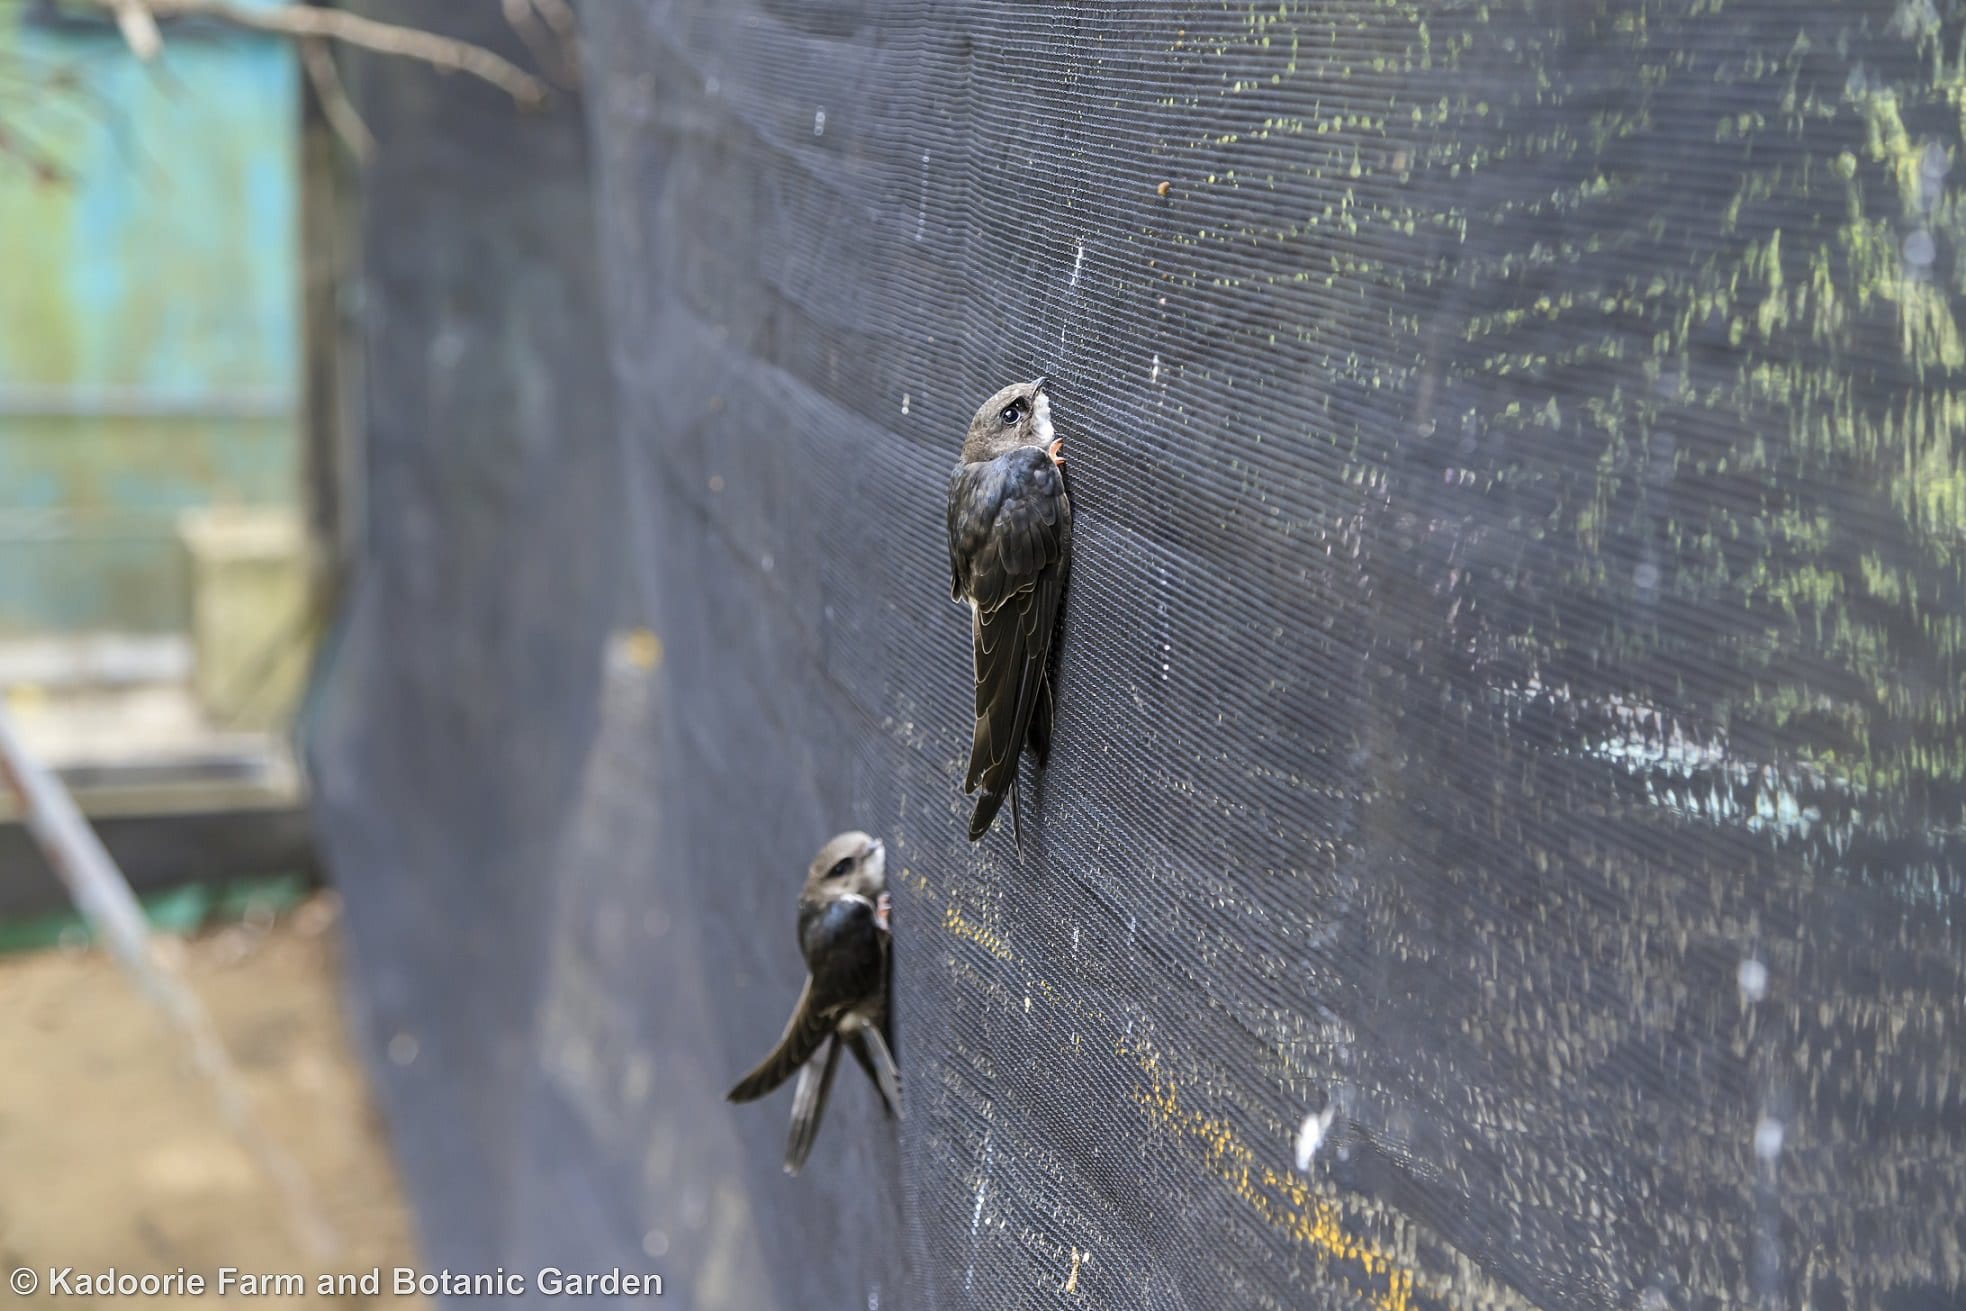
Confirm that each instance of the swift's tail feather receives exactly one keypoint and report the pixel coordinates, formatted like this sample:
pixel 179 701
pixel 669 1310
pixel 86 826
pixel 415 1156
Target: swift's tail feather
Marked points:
pixel 803 1034
pixel 808 1104
pixel 870 1049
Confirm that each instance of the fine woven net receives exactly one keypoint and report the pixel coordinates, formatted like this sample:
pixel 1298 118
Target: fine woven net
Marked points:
pixel 1511 684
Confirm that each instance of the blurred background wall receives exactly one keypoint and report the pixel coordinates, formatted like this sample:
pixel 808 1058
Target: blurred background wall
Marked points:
pixel 167 241
pixel 150 338
pixel 156 609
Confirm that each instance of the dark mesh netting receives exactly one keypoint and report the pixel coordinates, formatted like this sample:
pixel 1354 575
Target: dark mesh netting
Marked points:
pixel 1511 684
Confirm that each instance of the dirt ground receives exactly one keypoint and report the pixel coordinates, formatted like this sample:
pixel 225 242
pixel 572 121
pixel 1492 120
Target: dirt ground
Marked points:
pixel 113 1152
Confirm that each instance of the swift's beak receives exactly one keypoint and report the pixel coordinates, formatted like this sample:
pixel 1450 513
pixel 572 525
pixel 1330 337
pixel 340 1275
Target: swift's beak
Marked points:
pixel 1038 385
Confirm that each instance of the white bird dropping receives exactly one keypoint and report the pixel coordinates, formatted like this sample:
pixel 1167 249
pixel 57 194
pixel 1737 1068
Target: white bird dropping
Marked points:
pixel 1311 1133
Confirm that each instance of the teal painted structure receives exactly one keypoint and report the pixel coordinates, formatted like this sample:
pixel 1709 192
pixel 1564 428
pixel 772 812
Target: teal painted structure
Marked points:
pixel 150 354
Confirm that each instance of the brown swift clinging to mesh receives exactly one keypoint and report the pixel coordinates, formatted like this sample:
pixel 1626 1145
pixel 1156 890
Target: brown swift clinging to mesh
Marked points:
pixel 1010 549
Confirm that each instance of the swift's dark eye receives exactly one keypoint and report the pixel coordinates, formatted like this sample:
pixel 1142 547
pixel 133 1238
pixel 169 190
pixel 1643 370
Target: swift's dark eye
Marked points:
pixel 841 868
pixel 1012 412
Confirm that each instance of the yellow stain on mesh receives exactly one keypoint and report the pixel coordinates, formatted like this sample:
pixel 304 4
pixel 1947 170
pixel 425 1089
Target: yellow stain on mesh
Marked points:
pixel 1282 1200
pixel 641 647
pixel 953 921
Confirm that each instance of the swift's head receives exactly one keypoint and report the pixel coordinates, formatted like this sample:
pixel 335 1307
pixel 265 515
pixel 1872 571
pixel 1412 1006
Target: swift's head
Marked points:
pixel 1019 415
pixel 850 863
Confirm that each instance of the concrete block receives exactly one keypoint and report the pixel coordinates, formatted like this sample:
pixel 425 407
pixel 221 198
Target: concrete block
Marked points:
pixel 251 630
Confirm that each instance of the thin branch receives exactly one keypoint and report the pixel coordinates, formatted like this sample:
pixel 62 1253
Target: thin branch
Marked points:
pixel 52 86
pixel 532 19
pixel 139 28
pixel 301 21
pixel 336 107
pixel 559 16
pixel 31 157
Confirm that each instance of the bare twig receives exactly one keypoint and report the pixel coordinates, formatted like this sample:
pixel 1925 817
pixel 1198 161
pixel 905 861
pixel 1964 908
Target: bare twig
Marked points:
pixel 302 21
pixel 138 26
pixel 37 161
pixel 103 896
pixel 44 97
pixel 559 16
pixel 554 49
pixel 335 105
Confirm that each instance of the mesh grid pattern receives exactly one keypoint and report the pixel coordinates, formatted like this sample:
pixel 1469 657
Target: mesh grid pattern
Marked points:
pixel 1510 688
